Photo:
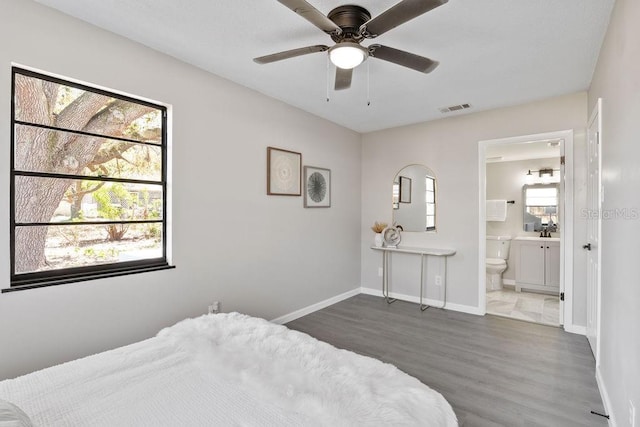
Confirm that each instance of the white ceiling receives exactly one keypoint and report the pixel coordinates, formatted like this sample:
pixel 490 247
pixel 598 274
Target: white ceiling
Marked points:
pixel 543 149
pixel 492 53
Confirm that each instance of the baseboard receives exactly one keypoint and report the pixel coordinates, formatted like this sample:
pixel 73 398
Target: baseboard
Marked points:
pixel 434 303
pixel 604 394
pixel 376 292
pixel 315 307
pixel 575 329
pixel 510 282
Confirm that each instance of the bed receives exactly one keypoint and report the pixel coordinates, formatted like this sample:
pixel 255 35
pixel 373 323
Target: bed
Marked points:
pixel 223 369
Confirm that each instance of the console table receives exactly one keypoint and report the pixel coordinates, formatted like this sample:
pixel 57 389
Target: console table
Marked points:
pixel 423 252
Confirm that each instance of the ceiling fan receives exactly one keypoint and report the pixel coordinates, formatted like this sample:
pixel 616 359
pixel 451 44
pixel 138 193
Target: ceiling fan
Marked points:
pixel 348 26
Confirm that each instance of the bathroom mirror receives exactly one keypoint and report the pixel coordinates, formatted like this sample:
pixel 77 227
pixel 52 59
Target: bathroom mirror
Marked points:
pixel 414 199
pixel 540 207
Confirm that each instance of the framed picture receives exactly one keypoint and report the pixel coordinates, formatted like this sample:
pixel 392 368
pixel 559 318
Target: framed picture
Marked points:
pixel 405 189
pixel 317 187
pixel 284 170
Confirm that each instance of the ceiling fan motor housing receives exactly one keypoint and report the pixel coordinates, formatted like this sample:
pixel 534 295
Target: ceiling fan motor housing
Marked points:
pixel 349 18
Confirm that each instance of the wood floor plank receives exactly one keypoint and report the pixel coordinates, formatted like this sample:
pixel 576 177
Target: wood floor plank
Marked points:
pixel 494 371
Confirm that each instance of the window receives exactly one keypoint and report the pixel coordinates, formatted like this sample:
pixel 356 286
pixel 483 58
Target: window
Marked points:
pixel 88 182
pixel 430 197
pixel 540 207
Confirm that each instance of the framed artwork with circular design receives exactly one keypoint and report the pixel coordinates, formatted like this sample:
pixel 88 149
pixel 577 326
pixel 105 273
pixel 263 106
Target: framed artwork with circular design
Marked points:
pixel 283 172
pixel 317 187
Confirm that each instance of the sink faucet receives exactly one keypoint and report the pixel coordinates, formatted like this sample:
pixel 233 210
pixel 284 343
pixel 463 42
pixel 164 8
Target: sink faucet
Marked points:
pixel 545 232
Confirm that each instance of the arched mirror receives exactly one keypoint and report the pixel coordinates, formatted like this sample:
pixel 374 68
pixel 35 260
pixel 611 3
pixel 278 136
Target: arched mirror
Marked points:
pixel 414 199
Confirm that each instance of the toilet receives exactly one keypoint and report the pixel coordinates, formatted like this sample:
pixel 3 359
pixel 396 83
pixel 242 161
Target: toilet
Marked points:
pixel 497 254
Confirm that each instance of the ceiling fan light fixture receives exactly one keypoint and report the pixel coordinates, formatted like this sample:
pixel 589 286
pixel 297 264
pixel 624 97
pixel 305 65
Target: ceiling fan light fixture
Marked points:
pixel 347 55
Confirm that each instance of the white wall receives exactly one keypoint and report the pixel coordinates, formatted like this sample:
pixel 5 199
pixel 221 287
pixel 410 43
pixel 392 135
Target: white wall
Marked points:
pixel 263 255
pixel 505 181
pixel 617 81
pixel 449 147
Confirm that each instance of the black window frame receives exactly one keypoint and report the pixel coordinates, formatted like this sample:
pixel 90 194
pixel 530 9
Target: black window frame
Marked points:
pixel 75 274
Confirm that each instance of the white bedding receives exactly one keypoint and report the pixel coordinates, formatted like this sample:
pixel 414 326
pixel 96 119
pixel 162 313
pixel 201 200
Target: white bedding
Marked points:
pixel 226 370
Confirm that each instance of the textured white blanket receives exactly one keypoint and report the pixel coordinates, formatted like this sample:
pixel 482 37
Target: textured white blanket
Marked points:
pixel 226 369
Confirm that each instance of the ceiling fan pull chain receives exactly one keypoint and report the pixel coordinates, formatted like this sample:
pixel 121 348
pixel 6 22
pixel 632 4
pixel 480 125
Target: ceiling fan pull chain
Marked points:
pixel 368 85
pixel 328 71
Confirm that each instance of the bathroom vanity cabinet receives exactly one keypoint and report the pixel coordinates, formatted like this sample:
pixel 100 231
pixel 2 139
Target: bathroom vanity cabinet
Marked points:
pixel 538 264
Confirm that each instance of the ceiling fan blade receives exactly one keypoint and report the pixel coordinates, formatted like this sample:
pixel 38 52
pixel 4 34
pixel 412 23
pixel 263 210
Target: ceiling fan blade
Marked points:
pixel 313 15
pixel 402 12
pixel 400 57
pixel 343 78
pixel 290 54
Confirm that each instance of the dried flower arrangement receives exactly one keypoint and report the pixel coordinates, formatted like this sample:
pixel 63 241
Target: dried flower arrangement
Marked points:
pixel 378 227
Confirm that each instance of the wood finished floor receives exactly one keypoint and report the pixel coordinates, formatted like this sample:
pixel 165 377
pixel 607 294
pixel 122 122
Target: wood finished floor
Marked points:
pixel 494 371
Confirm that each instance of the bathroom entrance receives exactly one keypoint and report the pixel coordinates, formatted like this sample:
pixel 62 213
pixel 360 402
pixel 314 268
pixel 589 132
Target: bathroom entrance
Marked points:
pixel 525 222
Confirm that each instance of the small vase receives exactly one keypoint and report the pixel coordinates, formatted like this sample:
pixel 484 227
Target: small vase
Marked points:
pixel 377 240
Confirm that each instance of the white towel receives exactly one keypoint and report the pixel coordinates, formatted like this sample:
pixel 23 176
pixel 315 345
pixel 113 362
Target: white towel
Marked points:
pixel 496 210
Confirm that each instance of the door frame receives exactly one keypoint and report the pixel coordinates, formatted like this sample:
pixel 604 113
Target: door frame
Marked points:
pixel 597 114
pixel 566 237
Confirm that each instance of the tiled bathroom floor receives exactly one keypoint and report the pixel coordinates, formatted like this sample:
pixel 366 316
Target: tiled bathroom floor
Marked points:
pixel 532 307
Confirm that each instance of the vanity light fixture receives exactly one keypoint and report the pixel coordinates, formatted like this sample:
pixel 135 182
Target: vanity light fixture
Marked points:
pixel 543 175
pixel 529 179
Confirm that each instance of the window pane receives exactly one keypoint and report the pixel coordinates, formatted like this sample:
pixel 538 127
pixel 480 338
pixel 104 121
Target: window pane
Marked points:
pixel 430 184
pixel 50 151
pixel 145 121
pixel 431 209
pixel 42 200
pixel 431 221
pixel 542 196
pixel 431 197
pixel 69 246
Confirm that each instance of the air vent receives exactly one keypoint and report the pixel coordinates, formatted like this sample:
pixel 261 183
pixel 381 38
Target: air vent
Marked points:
pixel 453 108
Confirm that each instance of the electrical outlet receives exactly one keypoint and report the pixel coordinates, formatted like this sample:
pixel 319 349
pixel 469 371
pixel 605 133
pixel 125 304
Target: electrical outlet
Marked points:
pixel 632 414
pixel 214 308
pixel 438 280
pixel 379 271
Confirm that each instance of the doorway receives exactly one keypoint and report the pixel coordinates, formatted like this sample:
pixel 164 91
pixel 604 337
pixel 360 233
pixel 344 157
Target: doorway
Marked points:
pixel 528 173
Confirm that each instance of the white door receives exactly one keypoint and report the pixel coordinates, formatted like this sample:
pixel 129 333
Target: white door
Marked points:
pixel 594 203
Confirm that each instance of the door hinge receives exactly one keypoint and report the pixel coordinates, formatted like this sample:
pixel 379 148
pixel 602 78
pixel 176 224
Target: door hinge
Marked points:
pixel 561 296
pixel 562 160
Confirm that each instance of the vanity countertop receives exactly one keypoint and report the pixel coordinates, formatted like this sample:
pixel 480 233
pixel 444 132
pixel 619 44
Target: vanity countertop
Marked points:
pixel 538 239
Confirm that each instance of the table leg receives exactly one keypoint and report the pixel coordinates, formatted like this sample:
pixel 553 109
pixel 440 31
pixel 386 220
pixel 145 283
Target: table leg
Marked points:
pixel 385 277
pixel 423 307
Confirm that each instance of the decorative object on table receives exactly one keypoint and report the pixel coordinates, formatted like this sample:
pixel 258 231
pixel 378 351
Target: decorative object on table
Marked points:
pixel 284 170
pixel 378 228
pixel 317 187
pixel 405 189
pixel 391 237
